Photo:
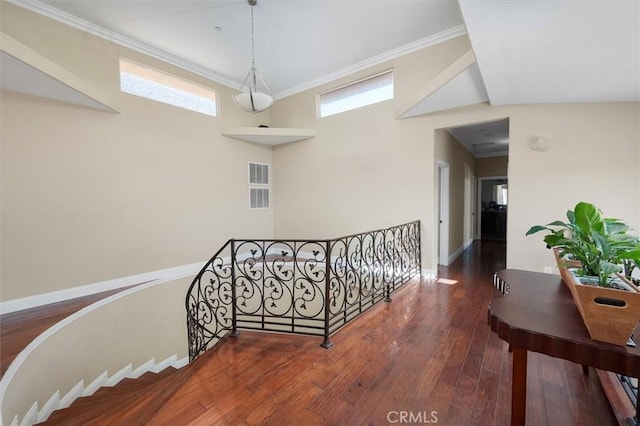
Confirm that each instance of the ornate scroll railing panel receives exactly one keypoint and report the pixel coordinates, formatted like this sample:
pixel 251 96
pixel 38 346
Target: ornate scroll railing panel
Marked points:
pixel 280 285
pixel 311 287
pixel 368 267
pixel 209 302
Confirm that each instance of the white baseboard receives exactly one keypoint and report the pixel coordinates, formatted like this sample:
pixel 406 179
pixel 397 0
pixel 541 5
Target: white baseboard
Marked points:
pixel 49 407
pixel 97 383
pixel 169 362
pixel 115 378
pixel 459 251
pixel 54 403
pixel 428 274
pixel 86 290
pixel 147 366
pixel 72 395
pixel 181 362
pixel 31 417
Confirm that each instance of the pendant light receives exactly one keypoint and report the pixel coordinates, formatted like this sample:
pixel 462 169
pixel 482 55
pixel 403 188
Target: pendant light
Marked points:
pixel 254 94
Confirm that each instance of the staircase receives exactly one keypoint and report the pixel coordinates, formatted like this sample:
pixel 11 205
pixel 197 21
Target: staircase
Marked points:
pixel 131 401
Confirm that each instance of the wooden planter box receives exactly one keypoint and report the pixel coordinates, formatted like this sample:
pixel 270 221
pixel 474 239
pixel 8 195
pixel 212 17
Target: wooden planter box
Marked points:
pixel 609 314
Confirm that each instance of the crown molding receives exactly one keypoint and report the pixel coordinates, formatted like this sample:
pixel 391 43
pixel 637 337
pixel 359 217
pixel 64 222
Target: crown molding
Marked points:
pixel 75 22
pixel 86 26
pixel 432 40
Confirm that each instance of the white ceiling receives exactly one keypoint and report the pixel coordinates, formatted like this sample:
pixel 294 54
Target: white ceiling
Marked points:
pixel 556 51
pixel 490 139
pixel 296 42
pixel 527 51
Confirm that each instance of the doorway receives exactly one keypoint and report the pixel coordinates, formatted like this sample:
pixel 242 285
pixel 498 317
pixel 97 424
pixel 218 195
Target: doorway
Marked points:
pixel 492 204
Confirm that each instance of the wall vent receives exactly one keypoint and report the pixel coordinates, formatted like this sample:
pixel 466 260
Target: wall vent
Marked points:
pixel 259 190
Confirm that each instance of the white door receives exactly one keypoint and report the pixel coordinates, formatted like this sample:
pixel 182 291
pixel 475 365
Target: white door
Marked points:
pixel 443 213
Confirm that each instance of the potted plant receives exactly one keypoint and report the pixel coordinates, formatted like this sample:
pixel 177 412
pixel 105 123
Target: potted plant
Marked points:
pixel 591 252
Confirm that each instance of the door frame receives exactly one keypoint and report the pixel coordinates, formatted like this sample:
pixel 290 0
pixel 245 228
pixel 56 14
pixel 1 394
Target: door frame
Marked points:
pixel 442 221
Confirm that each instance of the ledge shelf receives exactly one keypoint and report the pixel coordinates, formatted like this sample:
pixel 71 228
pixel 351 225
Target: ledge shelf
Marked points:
pixel 268 135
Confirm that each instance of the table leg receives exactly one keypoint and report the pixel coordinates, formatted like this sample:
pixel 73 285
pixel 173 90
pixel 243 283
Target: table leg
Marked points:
pixel 519 387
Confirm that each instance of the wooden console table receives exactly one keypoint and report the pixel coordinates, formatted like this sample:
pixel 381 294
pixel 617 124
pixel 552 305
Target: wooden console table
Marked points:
pixel 538 314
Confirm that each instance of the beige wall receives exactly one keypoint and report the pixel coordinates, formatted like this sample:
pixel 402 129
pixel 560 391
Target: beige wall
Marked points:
pixel 364 170
pixel 87 57
pixel 461 169
pixel 89 196
pixel 87 185
pixel 492 166
pixel 592 157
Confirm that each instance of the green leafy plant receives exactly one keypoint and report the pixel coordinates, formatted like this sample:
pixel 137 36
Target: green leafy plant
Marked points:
pixel 601 245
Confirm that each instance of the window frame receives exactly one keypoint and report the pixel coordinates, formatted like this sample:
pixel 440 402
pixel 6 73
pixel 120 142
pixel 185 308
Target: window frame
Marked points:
pixel 173 83
pixel 319 101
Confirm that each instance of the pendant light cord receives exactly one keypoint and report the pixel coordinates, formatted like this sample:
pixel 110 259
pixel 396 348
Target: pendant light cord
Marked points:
pixel 253 47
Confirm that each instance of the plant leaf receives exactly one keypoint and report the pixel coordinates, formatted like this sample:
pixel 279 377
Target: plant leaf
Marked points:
pixel 537 228
pixel 557 223
pixel 588 218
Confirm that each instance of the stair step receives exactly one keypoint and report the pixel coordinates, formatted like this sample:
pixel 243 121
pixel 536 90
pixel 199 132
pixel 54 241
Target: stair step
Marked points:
pixel 130 401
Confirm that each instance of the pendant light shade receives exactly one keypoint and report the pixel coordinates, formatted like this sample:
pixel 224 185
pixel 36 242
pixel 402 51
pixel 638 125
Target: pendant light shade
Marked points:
pixel 254 94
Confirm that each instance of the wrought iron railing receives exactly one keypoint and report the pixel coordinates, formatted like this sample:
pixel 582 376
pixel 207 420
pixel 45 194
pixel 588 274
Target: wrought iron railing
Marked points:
pixel 311 287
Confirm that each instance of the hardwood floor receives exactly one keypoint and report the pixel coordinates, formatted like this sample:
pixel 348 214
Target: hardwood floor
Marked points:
pixel 428 355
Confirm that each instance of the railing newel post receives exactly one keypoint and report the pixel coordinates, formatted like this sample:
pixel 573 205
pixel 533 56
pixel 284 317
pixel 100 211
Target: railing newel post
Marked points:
pixel 327 288
pixel 234 320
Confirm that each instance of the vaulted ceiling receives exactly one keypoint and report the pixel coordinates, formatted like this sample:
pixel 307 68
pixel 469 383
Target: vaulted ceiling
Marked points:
pixel 526 51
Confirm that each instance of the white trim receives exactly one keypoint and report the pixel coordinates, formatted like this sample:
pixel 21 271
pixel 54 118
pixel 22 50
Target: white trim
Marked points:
pixel 459 251
pixel 72 395
pixel 121 374
pixel 86 26
pixel 49 407
pixel 147 366
pixel 164 364
pixel 15 421
pixel 31 417
pixel 83 25
pixel 86 290
pixel 428 274
pixel 96 384
pixel 181 362
pixel 434 39
pixel 91 96
pixel 442 218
